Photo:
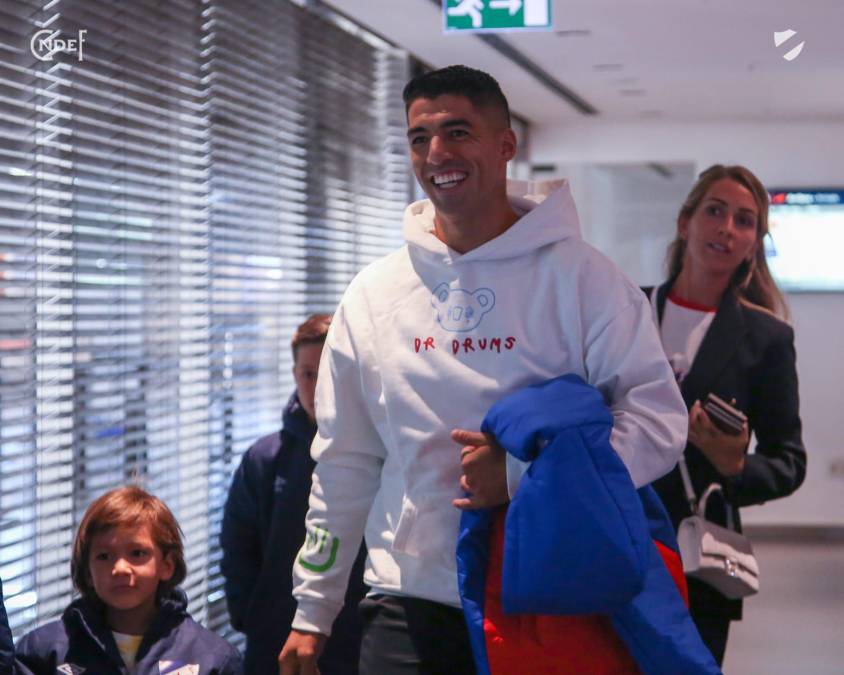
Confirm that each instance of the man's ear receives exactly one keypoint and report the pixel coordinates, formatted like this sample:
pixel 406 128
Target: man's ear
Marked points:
pixel 508 144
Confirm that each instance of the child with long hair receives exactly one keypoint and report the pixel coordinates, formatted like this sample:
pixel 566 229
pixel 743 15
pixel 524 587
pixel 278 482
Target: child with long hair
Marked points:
pixel 132 618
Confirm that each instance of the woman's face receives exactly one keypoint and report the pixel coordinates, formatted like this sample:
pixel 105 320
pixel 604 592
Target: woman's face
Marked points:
pixel 722 232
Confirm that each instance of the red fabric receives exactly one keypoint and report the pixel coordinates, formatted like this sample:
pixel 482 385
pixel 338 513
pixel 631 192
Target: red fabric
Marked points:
pixel 688 304
pixel 674 564
pixel 555 645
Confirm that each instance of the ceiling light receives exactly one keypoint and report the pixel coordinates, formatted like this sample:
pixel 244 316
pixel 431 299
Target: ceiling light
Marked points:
pixel 607 67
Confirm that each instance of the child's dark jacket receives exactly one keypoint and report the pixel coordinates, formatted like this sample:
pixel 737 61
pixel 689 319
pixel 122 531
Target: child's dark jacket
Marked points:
pixel 81 643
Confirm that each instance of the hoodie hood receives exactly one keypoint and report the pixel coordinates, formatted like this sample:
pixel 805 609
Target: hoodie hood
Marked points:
pixel 547 214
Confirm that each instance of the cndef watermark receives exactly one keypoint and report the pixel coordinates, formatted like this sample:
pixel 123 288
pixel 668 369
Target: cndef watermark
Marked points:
pixel 46 42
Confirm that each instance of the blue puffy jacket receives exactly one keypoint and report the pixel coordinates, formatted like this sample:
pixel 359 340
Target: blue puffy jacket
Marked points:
pixel 263 529
pixel 578 539
pixel 82 642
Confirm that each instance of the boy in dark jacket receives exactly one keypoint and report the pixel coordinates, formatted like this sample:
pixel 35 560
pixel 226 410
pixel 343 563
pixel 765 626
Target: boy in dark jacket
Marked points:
pixel 264 527
pixel 132 619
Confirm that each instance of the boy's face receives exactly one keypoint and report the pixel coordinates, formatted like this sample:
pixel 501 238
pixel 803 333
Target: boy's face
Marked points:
pixel 126 567
pixel 305 373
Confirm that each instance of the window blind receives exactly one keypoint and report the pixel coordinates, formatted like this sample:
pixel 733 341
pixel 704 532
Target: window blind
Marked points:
pixel 357 161
pixel 172 206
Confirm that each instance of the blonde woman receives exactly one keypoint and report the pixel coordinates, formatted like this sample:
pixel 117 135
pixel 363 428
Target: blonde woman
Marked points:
pixel 721 319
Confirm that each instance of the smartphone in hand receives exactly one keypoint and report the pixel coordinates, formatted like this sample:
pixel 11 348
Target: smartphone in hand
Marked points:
pixel 727 418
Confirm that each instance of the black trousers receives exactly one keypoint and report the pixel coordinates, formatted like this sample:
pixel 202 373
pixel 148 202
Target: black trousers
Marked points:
pixel 714 631
pixel 410 636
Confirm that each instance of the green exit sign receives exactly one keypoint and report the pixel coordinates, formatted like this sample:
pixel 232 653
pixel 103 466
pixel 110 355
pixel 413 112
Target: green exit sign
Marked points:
pixel 496 15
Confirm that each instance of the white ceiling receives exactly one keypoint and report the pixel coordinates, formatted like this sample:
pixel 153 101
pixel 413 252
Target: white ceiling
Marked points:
pixel 678 60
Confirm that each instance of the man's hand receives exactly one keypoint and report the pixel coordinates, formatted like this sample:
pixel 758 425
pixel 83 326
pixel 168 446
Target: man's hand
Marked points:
pixel 300 653
pixel 726 452
pixel 483 462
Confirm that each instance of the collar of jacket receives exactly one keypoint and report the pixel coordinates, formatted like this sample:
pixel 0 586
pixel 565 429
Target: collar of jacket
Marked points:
pixel 724 336
pixel 88 616
pixel 295 420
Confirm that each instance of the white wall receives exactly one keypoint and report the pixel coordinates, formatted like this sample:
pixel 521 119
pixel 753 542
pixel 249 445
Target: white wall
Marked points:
pixel 782 155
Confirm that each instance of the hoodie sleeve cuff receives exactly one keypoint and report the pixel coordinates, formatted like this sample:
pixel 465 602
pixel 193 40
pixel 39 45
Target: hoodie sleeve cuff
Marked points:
pixel 314 617
pixel 515 470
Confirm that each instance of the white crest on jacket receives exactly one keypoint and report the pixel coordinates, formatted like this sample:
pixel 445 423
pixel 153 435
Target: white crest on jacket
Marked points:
pixel 177 668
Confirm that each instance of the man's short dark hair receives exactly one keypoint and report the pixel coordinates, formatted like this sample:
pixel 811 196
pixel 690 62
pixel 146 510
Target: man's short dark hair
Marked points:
pixel 476 85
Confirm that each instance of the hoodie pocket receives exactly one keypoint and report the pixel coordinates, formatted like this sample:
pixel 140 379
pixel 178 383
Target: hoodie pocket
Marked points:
pixel 426 529
pixel 403 541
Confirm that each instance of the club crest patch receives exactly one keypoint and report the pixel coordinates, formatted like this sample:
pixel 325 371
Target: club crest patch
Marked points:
pixel 70 669
pixel 177 668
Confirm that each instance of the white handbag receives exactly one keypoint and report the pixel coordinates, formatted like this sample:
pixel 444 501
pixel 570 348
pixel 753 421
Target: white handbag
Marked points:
pixel 719 556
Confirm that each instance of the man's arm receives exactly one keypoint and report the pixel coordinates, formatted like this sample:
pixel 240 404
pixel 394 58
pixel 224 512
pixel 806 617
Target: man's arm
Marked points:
pixel 625 361
pixel 241 543
pixel 349 455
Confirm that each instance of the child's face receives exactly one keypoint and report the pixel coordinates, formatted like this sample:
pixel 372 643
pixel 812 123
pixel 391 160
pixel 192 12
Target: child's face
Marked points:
pixel 305 373
pixel 126 567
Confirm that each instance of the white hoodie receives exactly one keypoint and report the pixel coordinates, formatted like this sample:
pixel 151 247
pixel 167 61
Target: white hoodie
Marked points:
pixel 426 340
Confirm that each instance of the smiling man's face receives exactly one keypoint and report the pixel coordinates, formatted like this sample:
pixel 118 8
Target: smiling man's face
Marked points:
pixel 459 153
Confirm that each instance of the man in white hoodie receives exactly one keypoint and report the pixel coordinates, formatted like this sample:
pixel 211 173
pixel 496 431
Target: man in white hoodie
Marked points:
pixel 491 293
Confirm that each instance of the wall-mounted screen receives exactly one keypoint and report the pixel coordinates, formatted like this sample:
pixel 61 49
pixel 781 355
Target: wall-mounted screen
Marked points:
pixel 806 240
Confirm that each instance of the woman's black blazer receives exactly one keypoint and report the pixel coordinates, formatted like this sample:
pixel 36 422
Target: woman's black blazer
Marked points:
pixel 747 355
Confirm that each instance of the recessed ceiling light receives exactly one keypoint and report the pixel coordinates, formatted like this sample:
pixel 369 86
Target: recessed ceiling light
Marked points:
pixel 632 92
pixel 607 67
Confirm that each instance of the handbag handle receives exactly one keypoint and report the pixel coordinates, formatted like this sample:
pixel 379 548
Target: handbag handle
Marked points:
pixel 699 507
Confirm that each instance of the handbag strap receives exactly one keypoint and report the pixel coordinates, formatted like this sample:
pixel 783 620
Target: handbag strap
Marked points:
pixel 687 484
pixel 699 507
pixel 713 488
pixel 696 507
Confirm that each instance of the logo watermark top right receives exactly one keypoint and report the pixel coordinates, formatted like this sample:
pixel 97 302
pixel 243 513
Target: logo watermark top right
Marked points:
pixel 781 37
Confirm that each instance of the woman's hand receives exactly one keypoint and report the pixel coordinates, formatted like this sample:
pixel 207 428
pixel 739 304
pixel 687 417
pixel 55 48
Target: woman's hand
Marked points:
pixel 725 451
